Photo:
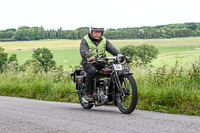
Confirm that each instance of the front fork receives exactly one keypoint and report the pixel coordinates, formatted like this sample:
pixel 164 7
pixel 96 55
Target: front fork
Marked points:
pixel 116 79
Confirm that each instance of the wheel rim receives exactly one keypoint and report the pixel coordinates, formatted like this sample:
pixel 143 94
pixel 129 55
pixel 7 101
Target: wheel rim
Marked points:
pixel 126 99
pixel 82 95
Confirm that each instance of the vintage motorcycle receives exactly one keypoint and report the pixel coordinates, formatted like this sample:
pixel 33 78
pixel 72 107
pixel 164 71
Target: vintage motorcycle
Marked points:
pixel 113 84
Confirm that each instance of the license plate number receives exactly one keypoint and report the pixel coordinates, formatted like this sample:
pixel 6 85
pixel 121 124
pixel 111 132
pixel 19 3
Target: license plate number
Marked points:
pixel 117 67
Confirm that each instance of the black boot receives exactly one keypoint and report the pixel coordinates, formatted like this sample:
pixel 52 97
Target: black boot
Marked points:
pixel 89 98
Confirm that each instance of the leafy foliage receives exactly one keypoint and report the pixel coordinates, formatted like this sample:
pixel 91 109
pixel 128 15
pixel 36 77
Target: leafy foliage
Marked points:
pixel 12 58
pixel 12 64
pixel 32 64
pixel 3 59
pixel 174 90
pixel 145 53
pixel 145 32
pixel 44 56
pixel 128 50
pixel 26 33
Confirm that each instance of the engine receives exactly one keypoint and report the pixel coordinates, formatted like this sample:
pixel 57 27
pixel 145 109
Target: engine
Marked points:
pixel 101 92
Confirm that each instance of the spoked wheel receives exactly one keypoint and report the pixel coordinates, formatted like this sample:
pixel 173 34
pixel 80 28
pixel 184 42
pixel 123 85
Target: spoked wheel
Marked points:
pixel 127 102
pixel 81 96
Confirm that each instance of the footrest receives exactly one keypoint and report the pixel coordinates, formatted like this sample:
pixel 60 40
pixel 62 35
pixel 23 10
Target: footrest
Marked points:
pixel 74 91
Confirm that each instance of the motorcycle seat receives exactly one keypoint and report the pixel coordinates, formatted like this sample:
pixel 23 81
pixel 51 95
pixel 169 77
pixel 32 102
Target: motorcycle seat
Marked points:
pixel 105 71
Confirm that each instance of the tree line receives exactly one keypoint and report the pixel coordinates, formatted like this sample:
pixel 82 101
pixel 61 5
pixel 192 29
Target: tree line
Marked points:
pixel 145 32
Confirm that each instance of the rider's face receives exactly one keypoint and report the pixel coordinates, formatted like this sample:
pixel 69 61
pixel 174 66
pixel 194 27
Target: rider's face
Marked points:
pixel 96 34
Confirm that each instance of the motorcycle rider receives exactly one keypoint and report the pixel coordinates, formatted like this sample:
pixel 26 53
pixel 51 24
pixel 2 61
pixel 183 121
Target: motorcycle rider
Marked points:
pixel 92 46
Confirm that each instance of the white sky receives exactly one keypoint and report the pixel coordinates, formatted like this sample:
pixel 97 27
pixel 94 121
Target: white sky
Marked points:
pixel 72 14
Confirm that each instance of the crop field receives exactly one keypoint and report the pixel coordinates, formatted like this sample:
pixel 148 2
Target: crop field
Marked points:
pixel 187 43
pixel 66 52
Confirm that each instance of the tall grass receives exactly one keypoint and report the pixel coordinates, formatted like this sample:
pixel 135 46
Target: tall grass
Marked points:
pixel 165 89
pixel 173 90
pixel 54 85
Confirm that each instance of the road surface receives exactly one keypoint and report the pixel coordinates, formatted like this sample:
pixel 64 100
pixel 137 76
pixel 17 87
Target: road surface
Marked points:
pixel 21 115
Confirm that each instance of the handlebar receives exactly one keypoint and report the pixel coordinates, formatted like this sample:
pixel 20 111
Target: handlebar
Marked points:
pixel 105 59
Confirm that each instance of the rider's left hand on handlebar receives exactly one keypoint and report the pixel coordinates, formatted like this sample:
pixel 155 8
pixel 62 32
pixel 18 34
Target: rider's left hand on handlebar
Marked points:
pixel 91 59
pixel 128 59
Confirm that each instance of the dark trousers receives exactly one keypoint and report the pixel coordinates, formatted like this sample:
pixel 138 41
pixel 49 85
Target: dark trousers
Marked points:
pixel 91 71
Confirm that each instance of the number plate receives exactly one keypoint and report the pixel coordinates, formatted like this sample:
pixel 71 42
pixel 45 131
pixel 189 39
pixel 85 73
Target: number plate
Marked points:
pixel 117 67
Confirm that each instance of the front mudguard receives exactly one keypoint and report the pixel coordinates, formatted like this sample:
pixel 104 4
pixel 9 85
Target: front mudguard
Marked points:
pixel 127 72
pixel 124 73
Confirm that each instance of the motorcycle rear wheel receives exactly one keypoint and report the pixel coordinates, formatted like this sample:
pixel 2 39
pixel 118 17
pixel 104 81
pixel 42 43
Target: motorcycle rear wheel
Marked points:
pixel 81 95
pixel 127 103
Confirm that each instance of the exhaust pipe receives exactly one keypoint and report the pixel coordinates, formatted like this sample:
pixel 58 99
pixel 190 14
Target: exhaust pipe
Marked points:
pixel 84 101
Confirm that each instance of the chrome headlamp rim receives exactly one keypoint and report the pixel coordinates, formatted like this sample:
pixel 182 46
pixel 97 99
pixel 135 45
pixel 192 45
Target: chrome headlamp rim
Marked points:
pixel 121 59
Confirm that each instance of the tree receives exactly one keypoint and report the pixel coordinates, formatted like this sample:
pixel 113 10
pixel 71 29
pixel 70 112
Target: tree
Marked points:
pixel 82 32
pixel 191 26
pixel 146 52
pixel 23 34
pixel 145 32
pixel 71 34
pixel 44 56
pixel 37 33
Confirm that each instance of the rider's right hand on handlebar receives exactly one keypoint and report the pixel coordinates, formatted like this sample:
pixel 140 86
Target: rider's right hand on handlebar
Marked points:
pixel 91 59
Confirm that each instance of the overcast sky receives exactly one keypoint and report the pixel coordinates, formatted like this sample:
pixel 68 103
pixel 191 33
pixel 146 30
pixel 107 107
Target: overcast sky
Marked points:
pixel 71 14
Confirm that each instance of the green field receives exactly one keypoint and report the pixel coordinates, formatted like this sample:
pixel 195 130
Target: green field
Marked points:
pixel 66 52
pixel 187 43
pixel 62 57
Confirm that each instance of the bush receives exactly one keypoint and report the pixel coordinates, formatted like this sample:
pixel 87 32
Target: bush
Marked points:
pixel 12 58
pixel 44 56
pixel 128 50
pixel 3 59
pixel 12 64
pixel 144 53
pixel 6 39
pixel 32 64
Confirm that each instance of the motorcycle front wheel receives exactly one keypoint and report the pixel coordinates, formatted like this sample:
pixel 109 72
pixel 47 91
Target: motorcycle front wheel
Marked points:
pixel 81 96
pixel 127 100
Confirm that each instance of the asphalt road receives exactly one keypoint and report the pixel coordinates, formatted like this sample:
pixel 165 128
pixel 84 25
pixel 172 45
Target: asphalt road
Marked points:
pixel 20 115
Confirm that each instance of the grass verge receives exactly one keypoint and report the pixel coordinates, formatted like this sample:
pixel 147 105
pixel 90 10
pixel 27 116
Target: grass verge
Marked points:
pixel 163 89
